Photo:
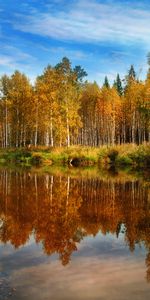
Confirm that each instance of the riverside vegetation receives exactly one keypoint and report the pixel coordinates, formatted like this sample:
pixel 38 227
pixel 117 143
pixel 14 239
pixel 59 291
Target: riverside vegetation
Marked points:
pixel 119 155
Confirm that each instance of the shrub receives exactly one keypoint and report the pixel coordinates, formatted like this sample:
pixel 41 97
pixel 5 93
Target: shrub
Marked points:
pixel 124 160
pixel 19 156
pixel 112 154
pixel 36 159
pixel 138 157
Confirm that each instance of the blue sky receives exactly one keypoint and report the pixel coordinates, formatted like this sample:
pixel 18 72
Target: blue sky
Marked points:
pixel 104 37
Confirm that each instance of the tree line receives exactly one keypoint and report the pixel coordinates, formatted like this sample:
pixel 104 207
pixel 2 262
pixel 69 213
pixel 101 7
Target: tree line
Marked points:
pixel 63 109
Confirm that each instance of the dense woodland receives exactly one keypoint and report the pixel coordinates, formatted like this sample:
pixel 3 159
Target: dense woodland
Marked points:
pixel 62 108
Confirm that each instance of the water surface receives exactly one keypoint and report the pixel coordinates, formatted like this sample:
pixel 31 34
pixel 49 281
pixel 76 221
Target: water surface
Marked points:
pixel 74 235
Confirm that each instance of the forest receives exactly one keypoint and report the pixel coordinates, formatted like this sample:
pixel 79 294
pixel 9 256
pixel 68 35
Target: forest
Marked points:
pixel 62 108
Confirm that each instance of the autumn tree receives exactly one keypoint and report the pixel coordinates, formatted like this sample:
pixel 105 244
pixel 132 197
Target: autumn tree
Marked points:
pixel 17 100
pixel 61 108
pixel 109 111
pixel 5 111
pixel 89 134
pixel 69 95
pixel 47 110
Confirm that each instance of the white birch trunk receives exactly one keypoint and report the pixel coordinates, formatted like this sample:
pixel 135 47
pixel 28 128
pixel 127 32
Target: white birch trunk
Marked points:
pixel 36 128
pixel 6 126
pixel 68 130
pixel 51 130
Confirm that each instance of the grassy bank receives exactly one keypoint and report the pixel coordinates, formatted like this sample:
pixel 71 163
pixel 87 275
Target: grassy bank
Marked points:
pixel 120 155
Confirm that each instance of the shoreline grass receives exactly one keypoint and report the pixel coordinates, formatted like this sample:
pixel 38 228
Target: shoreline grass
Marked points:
pixel 118 155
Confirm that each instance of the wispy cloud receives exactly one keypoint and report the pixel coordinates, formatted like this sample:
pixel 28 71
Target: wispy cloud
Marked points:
pixel 90 21
pixel 6 61
pixel 13 58
pixel 88 278
pixel 105 37
pixel 72 54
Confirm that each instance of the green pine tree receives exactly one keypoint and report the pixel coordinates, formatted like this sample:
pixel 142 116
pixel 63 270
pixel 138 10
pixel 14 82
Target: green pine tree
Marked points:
pixel 118 85
pixel 106 83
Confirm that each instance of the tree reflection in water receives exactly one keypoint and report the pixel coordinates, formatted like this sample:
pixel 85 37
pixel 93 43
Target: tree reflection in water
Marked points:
pixel 61 210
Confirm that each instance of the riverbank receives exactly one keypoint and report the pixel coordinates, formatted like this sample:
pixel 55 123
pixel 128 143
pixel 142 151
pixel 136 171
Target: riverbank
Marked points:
pixel 119 155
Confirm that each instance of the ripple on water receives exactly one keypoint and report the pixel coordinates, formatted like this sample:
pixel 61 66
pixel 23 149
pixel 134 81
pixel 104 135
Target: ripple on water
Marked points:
pixel 6 291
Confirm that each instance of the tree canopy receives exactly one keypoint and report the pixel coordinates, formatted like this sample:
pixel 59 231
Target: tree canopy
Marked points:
pixel 63 108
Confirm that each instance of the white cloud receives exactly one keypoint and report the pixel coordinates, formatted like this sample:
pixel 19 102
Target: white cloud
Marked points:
pixel 99 76
pixel 72 54
pixel 89 21
pixel 13 58
pixel 86 277
pixel 7 61
pixel 10 63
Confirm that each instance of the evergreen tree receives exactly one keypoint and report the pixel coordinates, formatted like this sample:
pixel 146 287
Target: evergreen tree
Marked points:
pixel 148 61
pixel 80 73
pixel 106 82
pixel 131 73
pixel 129 78
pixel 64 67
pixel 118 85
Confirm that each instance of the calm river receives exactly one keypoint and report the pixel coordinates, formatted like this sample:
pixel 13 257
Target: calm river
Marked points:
pixel 74 235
